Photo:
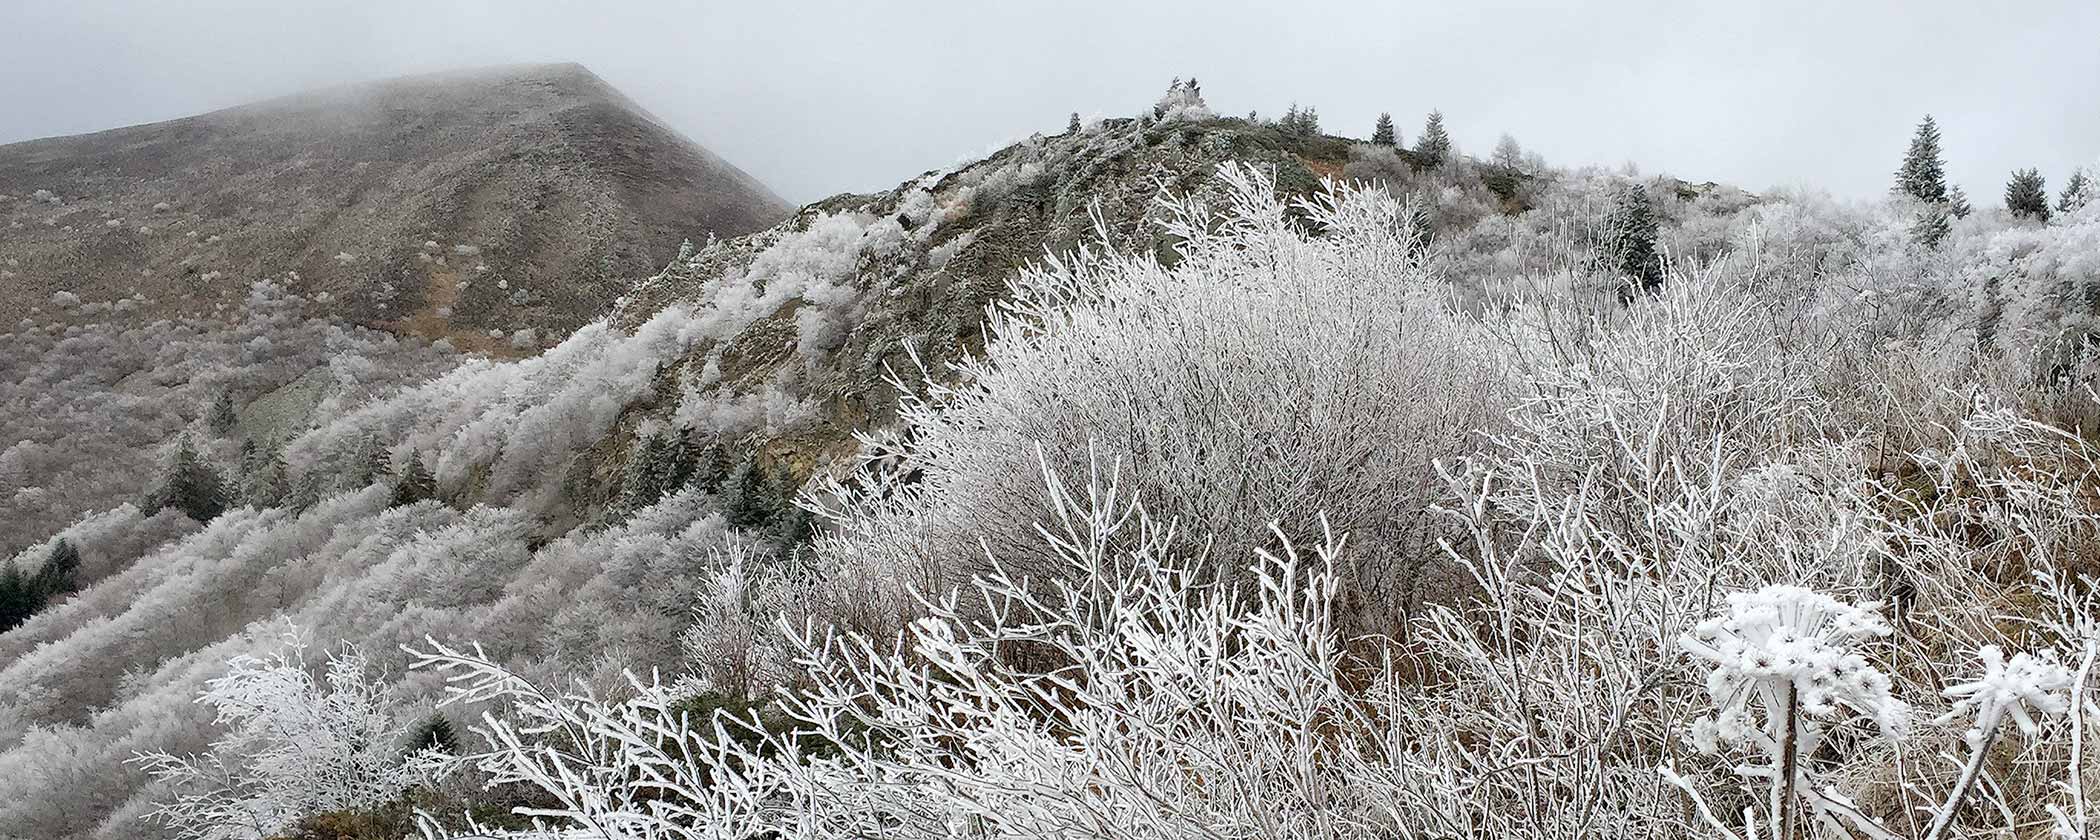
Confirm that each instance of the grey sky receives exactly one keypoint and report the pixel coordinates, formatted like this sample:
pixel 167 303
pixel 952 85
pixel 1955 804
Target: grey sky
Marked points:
pixel 816 97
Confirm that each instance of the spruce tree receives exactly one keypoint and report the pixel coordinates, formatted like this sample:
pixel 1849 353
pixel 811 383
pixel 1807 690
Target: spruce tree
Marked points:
pixel 60 574
pixel 1922 176
pixel 223 417
pixel 189 485
pixel 2027 195
pixel 265 480
pixel 2078 192
pixel 1629 238
pixel 1931 226
pixel 1433 146
pixel 375 463
pixel 1957 202
pixel 1383 133
pixel 18 597
pixel 416 484
pixel 435 733
pixel 1072 126
pixel 752 499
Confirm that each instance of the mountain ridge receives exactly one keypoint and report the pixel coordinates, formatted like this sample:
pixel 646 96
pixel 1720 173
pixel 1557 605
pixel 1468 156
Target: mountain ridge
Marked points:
pixel 395 199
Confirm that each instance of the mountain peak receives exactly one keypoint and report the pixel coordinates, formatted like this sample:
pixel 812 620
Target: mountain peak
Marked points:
pixel 462 204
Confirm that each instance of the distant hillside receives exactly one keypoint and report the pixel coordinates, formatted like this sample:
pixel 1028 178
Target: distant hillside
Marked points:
pixel 456 204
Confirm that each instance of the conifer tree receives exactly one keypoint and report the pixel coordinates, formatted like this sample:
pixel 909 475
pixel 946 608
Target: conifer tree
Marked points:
pixel 374 463
pixel 1931 226
pixel 1383 133
pixel 2078 192
pixel 435 732
pixel 1629 238
pixel 752 499
pixel 1433 147
pixel 223 416
pixel 18 598
pixel 1957 202
pixel 711 469
pixel 1072 126
pixel 60 573
pixel 265 479
pixel 189 485
pixel 2027 195
pixel 416 484
pixel 1922 176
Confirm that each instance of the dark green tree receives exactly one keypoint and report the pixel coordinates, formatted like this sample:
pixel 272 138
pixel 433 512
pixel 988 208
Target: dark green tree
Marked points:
pixel 1932 225
pixel 375 463
pixel 1957 202
pixel 2027 195
pixel 1383 133
pixel 1433 145
pixel 188 484
pixel 60 574
pixel 1922 175
pixel 752 498
pixel 2078 191
pixel 435 732
pixel 1628 242
pixel 19 598
pixel 1072 126
pixel 265 479
pixel 223 416
pixel 662 463
pixel 416 484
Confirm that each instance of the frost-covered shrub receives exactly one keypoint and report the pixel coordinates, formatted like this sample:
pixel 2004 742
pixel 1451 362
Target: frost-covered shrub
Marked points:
pixel 1259 335
pixel 296 743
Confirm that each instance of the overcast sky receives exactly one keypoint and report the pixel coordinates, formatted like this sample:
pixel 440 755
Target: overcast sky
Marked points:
pixel 817 97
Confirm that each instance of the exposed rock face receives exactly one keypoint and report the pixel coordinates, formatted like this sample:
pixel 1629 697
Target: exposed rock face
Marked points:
pixel 914 268
pixel 456 204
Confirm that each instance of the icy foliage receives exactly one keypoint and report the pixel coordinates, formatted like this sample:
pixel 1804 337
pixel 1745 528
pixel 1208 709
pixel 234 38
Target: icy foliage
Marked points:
pixel 295 744
pixel 1785 646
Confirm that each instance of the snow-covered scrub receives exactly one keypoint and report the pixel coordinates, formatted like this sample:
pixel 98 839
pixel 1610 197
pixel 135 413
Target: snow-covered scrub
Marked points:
pixel 1273 518
pixel 1702 569
pixel 295 744
pixel 509 428
pixel 88 406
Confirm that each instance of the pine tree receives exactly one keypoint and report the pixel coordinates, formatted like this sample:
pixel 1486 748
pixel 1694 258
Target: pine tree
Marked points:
pixel 223 416
pixel 1629 238
pixel 1383 133
pixel 2078 192
pixel 189 485
pixel 1922 176
pixel 2027 195
pixel 416 484
pixel 1309 122
pixel 711 469
pixel 265 481
pixel 375 463
pixel 752 499
pixel 1957 202
pixel 1433 146
pixel 435 733
pixel 60 574
pixel 18 598
pixel 1072 126
pixel 1932 225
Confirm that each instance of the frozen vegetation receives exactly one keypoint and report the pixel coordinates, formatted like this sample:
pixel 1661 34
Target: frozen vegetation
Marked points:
pixel 1456 498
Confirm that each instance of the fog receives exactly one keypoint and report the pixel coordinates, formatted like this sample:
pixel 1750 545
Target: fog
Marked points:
pixel 820 97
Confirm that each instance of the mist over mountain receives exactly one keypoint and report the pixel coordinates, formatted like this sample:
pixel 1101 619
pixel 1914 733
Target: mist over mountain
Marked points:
pixel 1169 475
pixel 448 205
